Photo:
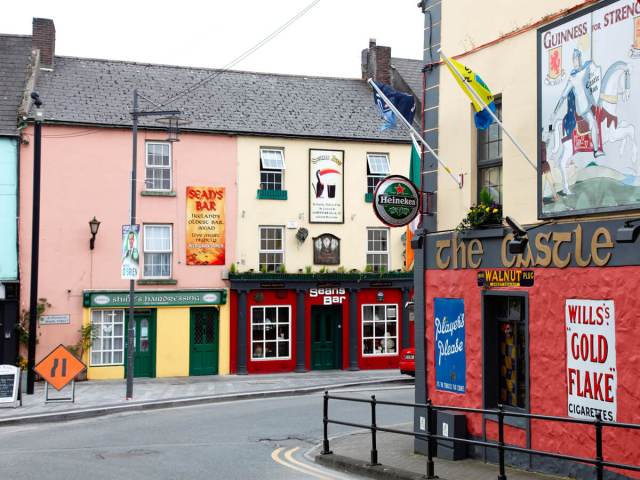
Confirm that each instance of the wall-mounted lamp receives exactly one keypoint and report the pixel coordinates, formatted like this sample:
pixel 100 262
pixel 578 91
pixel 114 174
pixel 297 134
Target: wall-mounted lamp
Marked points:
pixel 302 234
pixel 94 225
pixel 380 296
pixel 628 233
pixel 520 239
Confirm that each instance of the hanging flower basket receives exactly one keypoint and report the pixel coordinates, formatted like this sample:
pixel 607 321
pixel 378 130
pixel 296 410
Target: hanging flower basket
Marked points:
pixel 487 214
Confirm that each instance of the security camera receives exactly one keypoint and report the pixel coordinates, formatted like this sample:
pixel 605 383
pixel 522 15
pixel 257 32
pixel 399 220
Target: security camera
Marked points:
pixel 518 229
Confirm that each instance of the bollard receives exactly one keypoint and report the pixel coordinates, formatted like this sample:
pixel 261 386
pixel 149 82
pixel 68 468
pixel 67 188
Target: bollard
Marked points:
pixel 430 441
pixel 599 459
pixel 374 449
pixel 325 424
pixel 501 475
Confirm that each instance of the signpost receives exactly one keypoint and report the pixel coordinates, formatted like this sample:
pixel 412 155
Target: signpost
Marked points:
pixel 58 369
pixel 9 385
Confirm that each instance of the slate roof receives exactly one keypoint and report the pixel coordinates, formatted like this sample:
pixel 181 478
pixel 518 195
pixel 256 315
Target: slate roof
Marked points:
pixel 411 72
pixel 93 91
pixel 15 52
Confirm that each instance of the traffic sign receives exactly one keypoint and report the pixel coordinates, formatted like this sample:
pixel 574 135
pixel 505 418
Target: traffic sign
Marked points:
pixel 59 367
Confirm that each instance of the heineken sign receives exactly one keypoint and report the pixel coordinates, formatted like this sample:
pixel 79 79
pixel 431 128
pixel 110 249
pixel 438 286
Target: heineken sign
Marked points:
pixel 155 299
pixel 396 201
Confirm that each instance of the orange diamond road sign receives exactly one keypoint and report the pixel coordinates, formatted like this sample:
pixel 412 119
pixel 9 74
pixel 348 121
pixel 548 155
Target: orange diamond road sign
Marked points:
pixel 59 367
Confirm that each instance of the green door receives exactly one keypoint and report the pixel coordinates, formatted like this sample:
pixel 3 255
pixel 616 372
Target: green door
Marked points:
pixel 144 364
pixel 203 358
pixel 326 338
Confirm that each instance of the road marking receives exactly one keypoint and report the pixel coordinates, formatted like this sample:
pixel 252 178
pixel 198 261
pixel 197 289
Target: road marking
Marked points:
pixel 275 455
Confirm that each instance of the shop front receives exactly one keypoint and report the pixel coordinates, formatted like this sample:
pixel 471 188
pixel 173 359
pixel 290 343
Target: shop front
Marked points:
pixel 289 322
pixel 549 331
pixel 176 333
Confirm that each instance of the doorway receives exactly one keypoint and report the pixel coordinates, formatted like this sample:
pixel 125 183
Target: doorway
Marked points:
pixel 144 329
pixel 203 355
pixel 326 337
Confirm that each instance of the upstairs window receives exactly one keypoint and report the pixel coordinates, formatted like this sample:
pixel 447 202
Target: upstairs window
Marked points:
pixel 157 251
pixel 158 166
pixel 271 169
pixel 490 159
pixel 271 253
pixel 378 249
pixel 377 169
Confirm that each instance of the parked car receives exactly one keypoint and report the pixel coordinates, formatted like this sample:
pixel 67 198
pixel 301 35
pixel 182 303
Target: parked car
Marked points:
pixel 408 361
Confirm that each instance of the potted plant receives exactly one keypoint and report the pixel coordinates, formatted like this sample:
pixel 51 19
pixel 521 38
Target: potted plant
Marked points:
pixel 484 215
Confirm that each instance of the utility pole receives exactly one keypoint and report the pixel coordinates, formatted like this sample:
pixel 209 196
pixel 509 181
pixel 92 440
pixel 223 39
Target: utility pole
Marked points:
pixel 35 244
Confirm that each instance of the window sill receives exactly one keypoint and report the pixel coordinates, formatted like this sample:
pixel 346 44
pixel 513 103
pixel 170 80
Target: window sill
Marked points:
pixel 368 197
pixel 158 281
pixel 154 193
pixel 272 195
pixel 493 232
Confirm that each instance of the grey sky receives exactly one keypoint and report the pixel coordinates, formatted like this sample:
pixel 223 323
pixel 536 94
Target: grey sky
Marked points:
pixel 326 41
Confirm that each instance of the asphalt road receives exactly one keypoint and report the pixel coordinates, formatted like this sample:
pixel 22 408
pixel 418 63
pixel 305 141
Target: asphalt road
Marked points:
pixel 251 439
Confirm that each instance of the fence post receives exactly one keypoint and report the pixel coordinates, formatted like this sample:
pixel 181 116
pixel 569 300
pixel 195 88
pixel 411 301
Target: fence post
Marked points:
pixel 430 440
pixel 501 475
pixel 599 459
pixel 325 423
pixel 374 448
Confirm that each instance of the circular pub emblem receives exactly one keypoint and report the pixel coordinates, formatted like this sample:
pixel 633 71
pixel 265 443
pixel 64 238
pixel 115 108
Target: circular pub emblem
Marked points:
pixel 396 201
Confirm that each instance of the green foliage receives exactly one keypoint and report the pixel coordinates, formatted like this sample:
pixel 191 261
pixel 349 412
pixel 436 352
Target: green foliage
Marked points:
pixel 282 269
pixel 263 269
pixel 307 269
pixel 368 268
pixel 233 268
pixel 22 328
pixel 323 270
pixel 487 212
pixel 341 269
pixel 87 336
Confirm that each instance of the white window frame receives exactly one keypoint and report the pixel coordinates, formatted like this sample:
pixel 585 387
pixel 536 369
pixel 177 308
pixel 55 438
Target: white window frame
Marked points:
pixel 375 173
pixel 264 340
pixel 261 251
pixel 100 338
pixel 373 322
pixel 147 185
pixel 146 251
pixel 272 169
pixel 386 252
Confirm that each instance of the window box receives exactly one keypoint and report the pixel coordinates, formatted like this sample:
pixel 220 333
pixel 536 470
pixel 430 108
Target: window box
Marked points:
pixel 158 281
pixel 272 195
pixel 368 197
pixel 156 193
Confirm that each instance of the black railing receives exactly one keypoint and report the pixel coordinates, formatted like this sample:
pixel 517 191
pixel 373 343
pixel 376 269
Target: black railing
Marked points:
pixel 431 436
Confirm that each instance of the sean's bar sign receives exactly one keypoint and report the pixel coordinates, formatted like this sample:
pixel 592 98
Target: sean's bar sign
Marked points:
pixel 591 359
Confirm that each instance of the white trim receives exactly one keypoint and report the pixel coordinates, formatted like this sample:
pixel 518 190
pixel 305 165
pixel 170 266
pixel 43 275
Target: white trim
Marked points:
pixel 378 252
pixel 281 151
pixel 146 165
pixel 145 251
pixel 374 171
pixel 264 340
pixel 283 239
pixel 373 323
pixel 112 350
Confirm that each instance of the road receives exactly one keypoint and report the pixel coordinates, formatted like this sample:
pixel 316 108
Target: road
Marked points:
pixel 264 438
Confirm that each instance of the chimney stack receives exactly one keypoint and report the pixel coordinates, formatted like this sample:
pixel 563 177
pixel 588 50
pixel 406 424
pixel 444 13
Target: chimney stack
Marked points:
pixel 376 63
pixel 44 39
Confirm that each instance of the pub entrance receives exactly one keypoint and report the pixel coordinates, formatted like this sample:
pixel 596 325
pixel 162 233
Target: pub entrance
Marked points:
pixel 326 337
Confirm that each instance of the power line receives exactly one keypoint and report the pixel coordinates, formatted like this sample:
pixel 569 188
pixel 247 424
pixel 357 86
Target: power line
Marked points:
pixel 241 57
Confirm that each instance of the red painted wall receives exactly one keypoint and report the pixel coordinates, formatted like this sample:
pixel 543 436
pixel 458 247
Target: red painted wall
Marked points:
pixel 369 297
pixel 547 354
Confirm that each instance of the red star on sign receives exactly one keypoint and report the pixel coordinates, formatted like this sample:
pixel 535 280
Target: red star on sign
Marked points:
pixel 399 189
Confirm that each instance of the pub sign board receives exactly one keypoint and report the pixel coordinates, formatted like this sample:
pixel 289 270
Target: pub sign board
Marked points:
pixel 9 384
pixel 505 278
pixel 449 344
pixel 326 250
pixel 589 111
pixel 396 201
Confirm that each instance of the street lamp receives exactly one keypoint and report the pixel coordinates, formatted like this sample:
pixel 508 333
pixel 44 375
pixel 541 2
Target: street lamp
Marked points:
pixel 94 225
pixel 35 243
pixel 520 239
pixel 174 123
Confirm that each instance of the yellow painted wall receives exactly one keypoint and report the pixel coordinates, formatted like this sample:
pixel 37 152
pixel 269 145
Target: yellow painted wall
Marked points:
pixel 105 373
pixel 509 68
pixel 172 341
pixel 224 337
pixel 358 215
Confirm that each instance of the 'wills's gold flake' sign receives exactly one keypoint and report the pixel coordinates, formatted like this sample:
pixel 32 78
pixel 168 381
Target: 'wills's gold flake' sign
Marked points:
pixel 505 278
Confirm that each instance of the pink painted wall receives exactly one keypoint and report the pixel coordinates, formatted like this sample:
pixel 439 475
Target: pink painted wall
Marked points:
pixel 86 172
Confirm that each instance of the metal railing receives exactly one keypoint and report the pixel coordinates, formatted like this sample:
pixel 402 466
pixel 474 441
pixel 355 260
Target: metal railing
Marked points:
pixel 431 436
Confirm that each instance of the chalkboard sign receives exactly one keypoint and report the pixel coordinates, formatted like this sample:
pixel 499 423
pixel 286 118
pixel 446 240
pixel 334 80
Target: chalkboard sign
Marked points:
pixel 9 381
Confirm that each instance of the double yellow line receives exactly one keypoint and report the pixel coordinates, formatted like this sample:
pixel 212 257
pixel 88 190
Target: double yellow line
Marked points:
pixel 294 464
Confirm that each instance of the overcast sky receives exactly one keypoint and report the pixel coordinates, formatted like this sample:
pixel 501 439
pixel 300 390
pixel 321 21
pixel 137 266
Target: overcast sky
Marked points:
pixel 326 41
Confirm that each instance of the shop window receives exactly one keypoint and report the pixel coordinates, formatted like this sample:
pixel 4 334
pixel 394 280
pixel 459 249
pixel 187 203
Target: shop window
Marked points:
pixel 107 328
pixel 158 166
pixel 377 169
pixel 378 249
pixel 157 251
pixel 506 351
pixel 490 158
pixel 380 329
pixel 271 333
pixel 272 169
pixel 271 254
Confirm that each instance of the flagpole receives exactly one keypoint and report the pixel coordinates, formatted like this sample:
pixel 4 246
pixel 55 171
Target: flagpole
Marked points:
pixel 413 130
pixel 484 105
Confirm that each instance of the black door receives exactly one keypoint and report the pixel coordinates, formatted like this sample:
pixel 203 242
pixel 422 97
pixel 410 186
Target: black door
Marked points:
pixel 326 338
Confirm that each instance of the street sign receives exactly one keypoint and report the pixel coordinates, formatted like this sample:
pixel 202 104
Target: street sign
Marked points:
pixel 9 383
pixel 59 367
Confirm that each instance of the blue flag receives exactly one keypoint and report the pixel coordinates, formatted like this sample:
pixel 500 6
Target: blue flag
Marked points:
pixel 404 102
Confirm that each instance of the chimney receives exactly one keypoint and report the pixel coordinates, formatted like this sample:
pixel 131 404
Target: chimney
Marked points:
pixel 44 39
pixel 376 63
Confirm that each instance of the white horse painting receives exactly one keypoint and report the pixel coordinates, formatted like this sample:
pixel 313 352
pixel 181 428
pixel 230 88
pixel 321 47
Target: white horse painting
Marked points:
pixel 615 88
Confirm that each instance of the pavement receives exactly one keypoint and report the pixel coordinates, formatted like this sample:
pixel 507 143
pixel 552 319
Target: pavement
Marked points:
pixel 96 398
pixel 351 452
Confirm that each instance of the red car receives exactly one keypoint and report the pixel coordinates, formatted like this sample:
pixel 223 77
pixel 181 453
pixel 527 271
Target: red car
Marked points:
pixel 408 361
